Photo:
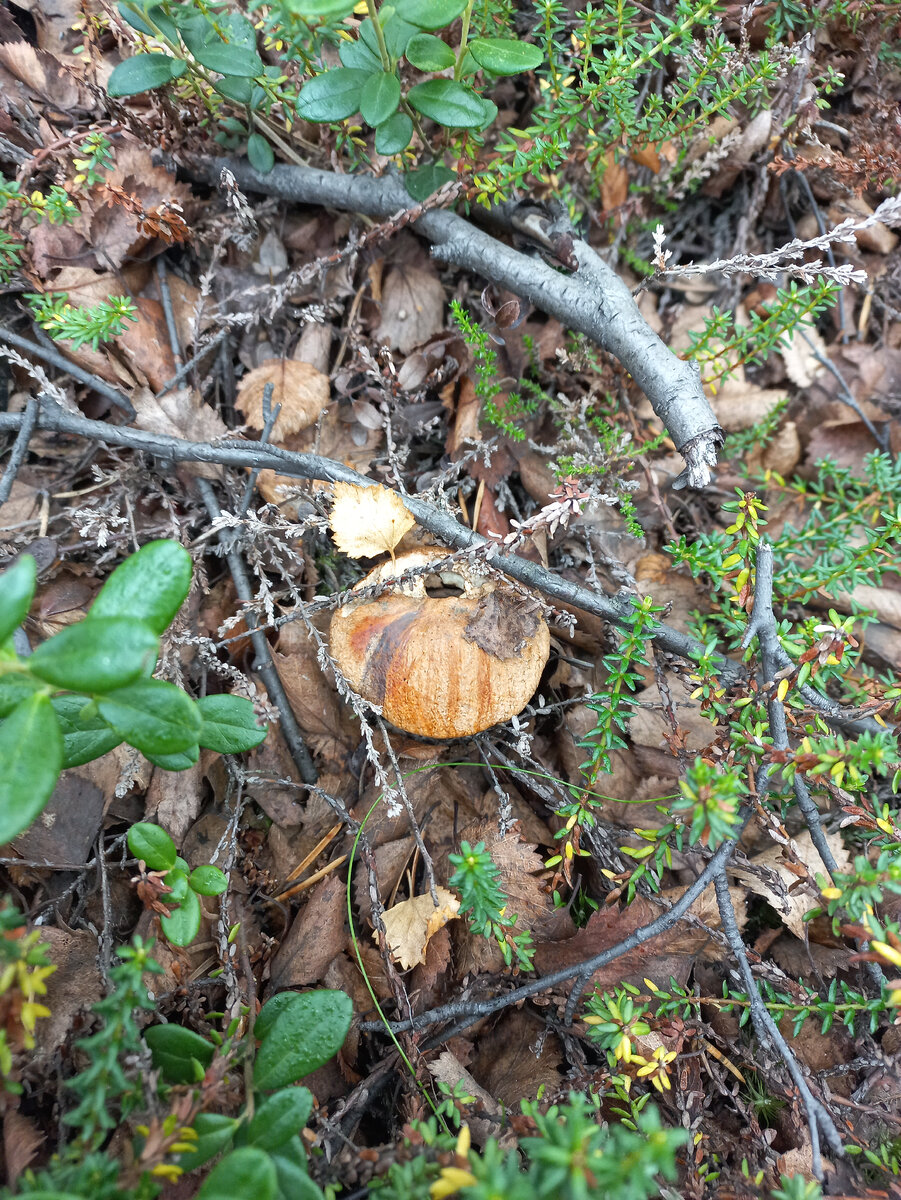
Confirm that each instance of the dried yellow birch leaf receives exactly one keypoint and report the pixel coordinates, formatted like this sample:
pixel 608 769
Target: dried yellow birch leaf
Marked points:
pixel 368 521
pixel 410 924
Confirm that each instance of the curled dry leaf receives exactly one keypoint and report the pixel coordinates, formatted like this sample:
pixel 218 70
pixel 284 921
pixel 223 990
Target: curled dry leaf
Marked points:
pixel 301 390
pixel 791 905
pixel 368 521
pixel 410 924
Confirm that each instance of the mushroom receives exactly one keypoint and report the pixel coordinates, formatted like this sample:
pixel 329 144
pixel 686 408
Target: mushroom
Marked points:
pixel 441 666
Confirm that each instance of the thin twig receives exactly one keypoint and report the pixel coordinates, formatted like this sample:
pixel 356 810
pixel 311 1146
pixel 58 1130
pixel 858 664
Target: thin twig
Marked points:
pixel 166 298
pixel 182 372
pixel 49 355
pixel 845 395
pixel 767 1030
pixel 244 455
pixel 20 447
pixel 265 665
pixel 470 1011
pixel 762 624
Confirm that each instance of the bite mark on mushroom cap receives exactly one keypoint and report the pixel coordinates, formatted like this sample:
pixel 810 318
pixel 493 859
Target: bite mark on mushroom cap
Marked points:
pixel 413 654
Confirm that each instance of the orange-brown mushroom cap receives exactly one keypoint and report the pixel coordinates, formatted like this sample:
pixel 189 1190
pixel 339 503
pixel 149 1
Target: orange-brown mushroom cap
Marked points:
pixel 418 657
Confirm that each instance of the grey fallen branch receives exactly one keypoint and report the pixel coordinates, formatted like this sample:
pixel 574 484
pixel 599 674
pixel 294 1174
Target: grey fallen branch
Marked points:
pixel 763 625
pixel 251 455
pixel 818 1118
pixel 593 300
pixel 465 1012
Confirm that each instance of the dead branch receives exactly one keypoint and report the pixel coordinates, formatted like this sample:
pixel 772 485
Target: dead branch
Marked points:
pixel 250 455
pixel 593 301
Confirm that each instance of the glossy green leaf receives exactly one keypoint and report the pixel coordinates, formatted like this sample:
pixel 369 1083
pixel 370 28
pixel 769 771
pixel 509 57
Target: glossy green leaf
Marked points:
pixel 357 54
pixel 295 1152
pixel 86 735
pixel 16 686
pixel 208 880
pixel 96 656
pixel 293 1181
pixel 149 19
pixel 183 923
pixel 380 97
pixel 490 109
pixel 177 883
pixel 504 56
pixel 394 135
pixel 174 1050
pixel 152 845
pixel 235 87
pixel 260 153
pixel 153 716
pixel 429 14
pixel 214 1132
pixel 142 73
pixel 270 1012
pixel 181 761
pixel 329 10
pixel 331 96
pixel 235 56
pixel 229 724
pixel 150 585
pixel 422 182
pixel 428 53
pixel 309 1029
pixel 31 758
pixel 280 1117
pixel 449 103
pixel 397 34
pixel 16 592
pixel 244 1173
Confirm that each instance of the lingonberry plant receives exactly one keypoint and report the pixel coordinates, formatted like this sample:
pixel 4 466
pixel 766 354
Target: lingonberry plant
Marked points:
pixel 176 1124
pixel 167 884
pixel 212 54
pixel 90 687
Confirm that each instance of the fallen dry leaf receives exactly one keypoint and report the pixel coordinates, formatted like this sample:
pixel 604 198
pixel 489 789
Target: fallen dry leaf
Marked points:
pixel 368 521
pixel 181 413
pixel 518 1059
pixel 22 1138
pixel 800 353
pixel 301 390
pixel 412 307
pixel 316 936
pixel 410 924
pixel 791 906
pixel 325 720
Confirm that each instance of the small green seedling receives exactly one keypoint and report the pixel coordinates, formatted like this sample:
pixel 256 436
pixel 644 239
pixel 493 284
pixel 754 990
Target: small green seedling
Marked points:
pixel 90 687
pixel 152 846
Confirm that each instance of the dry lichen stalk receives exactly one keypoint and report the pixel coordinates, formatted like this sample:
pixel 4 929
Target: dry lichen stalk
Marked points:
pixel 441 666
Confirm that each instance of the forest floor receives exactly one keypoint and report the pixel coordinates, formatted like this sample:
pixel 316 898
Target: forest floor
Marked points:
pixel 336 831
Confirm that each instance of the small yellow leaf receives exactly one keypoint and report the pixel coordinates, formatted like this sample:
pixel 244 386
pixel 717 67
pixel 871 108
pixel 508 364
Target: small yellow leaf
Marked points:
pixel 368 521
pixel 411 924
pixel 889 953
